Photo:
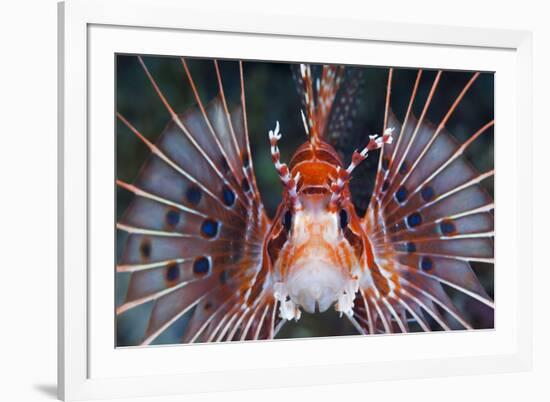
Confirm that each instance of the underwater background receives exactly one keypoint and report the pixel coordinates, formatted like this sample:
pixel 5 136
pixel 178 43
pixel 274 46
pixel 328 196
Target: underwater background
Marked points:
pixel 271 96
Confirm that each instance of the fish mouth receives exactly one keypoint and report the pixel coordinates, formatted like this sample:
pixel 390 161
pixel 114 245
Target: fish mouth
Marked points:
pixel 315 286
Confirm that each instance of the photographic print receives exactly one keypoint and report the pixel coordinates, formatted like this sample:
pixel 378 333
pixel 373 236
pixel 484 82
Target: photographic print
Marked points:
pixel 260 200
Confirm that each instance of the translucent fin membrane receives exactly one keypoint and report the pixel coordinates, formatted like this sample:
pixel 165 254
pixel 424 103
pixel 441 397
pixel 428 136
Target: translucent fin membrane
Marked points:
pixel 196 224
pixel 428 218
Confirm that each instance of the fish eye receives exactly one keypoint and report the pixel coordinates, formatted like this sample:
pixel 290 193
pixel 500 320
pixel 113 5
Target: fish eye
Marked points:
pixel 287 220
pixel 343 218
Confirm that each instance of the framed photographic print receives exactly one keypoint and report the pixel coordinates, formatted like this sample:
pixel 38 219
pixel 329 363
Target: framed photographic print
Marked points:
pixel 238 194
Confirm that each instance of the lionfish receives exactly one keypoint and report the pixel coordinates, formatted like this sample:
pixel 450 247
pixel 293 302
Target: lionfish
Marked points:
pixel 200 244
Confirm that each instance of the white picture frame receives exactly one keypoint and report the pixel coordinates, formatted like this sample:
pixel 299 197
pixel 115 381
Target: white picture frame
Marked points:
pixel 90 31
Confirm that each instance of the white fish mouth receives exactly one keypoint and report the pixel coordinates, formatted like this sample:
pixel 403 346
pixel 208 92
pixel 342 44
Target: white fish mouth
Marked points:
pixel 315 286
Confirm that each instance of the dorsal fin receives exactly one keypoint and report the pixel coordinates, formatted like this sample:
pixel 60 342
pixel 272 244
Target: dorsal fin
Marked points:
pixel 317 86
